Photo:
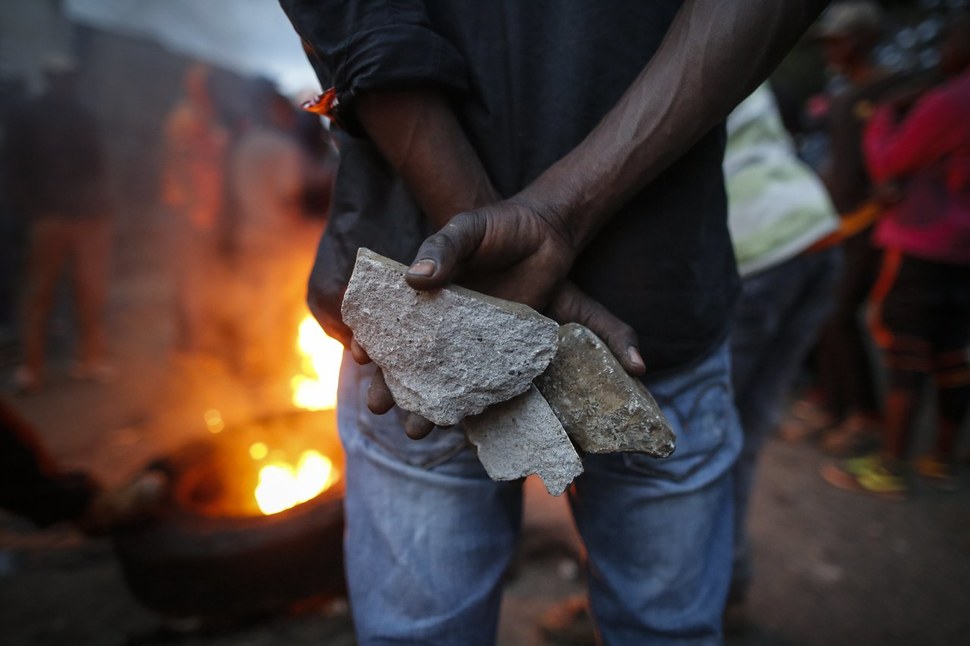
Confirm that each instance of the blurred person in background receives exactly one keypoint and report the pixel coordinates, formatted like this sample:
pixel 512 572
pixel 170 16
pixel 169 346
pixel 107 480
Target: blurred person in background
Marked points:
pixel 56 177
pixel 778 210
pixel 924 318
pixel 193 188
pixel 274 241
pixel 844 409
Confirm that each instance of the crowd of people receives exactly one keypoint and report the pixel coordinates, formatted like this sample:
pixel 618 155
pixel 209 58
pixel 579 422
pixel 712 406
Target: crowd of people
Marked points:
pixel 879 284
pixel 590 188
pixel 896 174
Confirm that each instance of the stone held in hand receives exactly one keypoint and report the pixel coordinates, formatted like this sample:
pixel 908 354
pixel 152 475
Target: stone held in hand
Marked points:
pixel 446 353
pixel 523 437
pixel 601 406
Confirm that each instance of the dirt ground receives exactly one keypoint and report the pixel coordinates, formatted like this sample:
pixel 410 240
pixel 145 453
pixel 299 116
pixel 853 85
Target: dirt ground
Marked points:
pixel 832 567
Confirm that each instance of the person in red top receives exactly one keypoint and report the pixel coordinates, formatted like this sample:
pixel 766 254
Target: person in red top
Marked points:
pixel 924 323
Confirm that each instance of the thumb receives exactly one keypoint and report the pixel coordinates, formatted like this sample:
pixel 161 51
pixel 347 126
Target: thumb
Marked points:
pixel 440 256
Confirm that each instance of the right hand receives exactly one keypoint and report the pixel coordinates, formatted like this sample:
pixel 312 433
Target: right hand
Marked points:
pixel 569 305
pixel 511 249
pixel 520 252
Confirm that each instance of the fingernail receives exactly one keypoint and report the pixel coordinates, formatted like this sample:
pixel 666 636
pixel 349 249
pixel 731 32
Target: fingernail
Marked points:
pixel 635 358
pixel 424 268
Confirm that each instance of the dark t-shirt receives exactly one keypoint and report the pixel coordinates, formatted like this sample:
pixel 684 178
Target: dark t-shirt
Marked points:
pixel 529 80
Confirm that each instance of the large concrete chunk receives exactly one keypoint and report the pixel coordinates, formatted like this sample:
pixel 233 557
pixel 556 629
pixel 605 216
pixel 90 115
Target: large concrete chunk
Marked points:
pixel 449 353
pixel 602 408
pixel 522 437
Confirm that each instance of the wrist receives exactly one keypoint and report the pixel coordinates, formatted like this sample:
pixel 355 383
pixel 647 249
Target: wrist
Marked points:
pixel 551 200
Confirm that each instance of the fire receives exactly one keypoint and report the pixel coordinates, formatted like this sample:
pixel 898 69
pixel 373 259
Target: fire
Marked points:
pixel 316 388
pixel 282 486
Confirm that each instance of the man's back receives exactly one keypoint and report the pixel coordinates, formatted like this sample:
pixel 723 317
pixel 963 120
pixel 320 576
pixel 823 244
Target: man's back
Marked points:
pixel 529 81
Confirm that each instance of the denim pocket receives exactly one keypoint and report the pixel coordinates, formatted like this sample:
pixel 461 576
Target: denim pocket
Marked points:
pixel 701 419
pixel 386 432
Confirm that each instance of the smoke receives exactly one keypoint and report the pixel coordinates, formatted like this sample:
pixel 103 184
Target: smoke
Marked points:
pixel 252 37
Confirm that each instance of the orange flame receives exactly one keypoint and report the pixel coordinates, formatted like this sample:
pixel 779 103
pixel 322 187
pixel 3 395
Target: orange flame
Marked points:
pixel 316 387
pixel 281 486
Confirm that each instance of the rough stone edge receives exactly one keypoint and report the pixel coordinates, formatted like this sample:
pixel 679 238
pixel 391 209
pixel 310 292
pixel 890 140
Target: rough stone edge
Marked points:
pixel 578 438
pixel 496 415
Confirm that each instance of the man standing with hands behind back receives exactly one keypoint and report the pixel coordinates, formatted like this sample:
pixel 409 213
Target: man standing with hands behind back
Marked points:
pixel 444 108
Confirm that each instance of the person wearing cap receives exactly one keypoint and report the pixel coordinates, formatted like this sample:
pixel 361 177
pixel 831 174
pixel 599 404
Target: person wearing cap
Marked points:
pixel 57 178
pixel 844 409
pixel 923 294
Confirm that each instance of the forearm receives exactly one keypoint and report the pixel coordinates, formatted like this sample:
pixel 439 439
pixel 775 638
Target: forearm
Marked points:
pixel 419 135
pixel 714 55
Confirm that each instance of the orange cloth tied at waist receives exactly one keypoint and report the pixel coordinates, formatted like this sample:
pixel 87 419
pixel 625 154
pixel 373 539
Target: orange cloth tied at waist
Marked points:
pixel 850 224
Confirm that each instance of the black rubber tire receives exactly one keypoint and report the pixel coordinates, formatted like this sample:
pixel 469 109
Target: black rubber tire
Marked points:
pixel 186 565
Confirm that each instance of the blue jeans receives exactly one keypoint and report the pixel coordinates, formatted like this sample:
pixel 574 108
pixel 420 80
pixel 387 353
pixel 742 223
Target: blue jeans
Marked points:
pixel 429 535
pixel 778 319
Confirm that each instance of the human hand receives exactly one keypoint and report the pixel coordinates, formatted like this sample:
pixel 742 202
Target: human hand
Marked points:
pixel 512 249
pixel 569 304
pixel 572 305
pixel 520 252
pixel 380 400
pixel 509 251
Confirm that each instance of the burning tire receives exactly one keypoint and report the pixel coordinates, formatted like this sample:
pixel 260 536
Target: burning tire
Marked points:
pixel 191 562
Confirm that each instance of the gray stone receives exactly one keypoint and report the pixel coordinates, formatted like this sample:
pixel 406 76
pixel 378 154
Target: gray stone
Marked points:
pixel 448 353
pixel 522 437
pixel 602 408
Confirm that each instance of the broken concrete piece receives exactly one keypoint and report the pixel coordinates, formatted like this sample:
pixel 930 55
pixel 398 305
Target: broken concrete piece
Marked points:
pixel 602 408
pixel 522 437
pixel 448 353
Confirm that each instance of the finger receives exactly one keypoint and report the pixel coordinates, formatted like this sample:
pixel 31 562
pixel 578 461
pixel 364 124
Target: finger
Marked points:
pixel 417 427
pixel 440 256
pixel 359 353
pixel 379 397
pixel 571 305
